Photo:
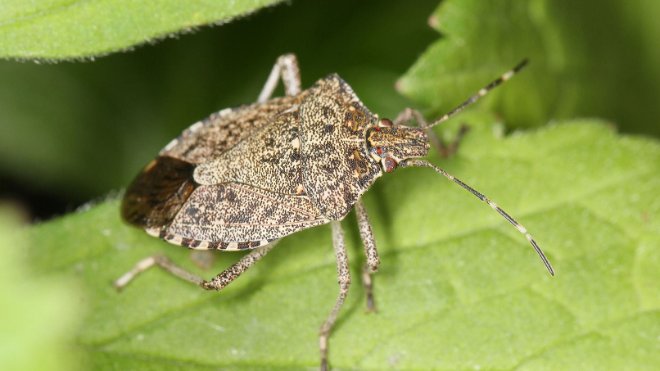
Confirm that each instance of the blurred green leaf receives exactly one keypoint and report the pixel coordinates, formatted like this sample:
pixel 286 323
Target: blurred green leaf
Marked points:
pixel 458 288
pixel 38 313
pixel 588 58
pixel 66 29
pixel 79 129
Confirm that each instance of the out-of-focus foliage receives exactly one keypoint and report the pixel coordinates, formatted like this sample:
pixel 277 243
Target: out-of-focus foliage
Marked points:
pixel 62 29
pixel 39 312
pixel 594 58
pixel 80 129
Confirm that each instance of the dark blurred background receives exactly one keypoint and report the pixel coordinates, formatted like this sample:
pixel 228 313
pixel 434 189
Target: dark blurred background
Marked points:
pixel 73 132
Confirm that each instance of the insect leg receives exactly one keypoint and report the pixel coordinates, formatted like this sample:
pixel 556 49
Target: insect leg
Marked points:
pixel 156 261
pixel 344 279
pixel 228 275
pixel 371 266
pixel 216 283
pixel 443 148
pixel 286 67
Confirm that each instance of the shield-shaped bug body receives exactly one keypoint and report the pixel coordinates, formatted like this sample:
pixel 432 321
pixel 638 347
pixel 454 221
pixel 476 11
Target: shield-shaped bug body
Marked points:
pixel 245 177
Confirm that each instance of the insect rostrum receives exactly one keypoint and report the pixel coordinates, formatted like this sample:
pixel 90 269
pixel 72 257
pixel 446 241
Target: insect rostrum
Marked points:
pixel 245 177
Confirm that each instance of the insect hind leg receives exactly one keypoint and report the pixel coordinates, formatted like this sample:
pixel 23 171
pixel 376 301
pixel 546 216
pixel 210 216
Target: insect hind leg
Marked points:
pixel 286 68
pixel 216 283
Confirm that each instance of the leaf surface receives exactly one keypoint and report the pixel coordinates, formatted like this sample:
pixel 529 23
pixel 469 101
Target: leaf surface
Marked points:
pixel 30 338
pixel 458 287
pixel 64 29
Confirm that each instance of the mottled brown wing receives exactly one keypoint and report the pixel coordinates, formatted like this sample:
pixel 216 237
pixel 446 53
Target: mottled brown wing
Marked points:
pixel 209 138
pixel 336 167
pixel 269 159
pixel 234 216
pixel 162 187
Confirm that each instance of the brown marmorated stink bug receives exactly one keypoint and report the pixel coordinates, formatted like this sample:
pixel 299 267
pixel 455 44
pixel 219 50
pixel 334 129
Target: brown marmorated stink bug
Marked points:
pixel 245 177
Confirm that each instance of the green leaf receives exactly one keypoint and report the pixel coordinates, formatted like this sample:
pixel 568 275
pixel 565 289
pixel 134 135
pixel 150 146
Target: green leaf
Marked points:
pixel 65 29
pixel 76 130
pixel 458 288
pixel 588 58
pixel 38 315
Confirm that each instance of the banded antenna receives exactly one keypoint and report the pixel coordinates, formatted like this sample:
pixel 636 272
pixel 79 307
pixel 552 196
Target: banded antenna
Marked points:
pixel 481 93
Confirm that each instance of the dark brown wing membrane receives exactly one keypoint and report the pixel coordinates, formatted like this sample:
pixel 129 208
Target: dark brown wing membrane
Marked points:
pixel 158 192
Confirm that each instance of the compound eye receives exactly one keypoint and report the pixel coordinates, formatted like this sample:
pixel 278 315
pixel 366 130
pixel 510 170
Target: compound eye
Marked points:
pixel 385 123
pixel 389 164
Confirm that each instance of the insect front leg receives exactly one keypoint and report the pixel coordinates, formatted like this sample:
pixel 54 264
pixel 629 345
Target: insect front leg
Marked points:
pixel 371 265
pixel 445 149
pixel 286 67
pixel 216 283
pixel 344 279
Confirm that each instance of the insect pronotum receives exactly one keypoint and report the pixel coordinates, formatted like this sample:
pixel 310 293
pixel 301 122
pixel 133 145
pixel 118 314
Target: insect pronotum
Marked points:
pixel 245 177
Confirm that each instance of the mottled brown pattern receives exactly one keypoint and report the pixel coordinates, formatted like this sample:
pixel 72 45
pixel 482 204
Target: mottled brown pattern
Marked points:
pixel 333 125
pixel 242 213
pixel 224 129
pixel 399 142
pixel 253 167
pixel 270 159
